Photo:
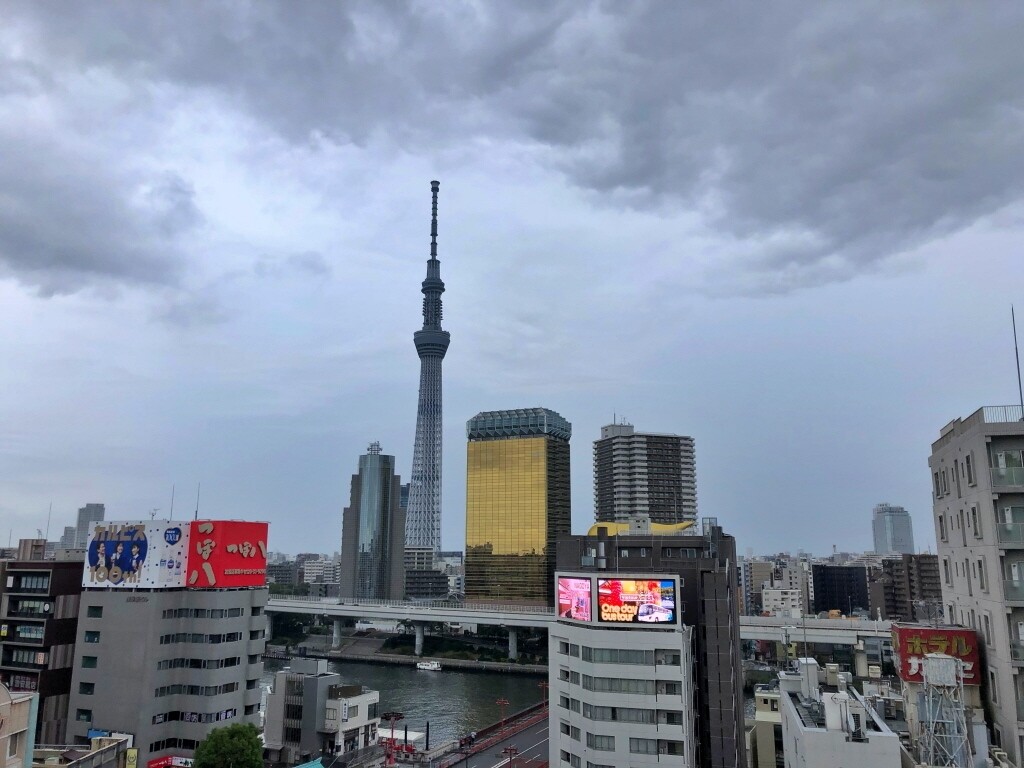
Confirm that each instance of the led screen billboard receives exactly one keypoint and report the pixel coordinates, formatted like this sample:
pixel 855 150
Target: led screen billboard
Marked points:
pixel 636 601
pixel 574 601
pixel 227 553
pixel 148 553
pixel 912 643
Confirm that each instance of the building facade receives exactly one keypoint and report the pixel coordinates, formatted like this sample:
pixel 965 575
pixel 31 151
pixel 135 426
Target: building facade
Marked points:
pixel 644 473
pixel 842 588
pixel 38 624
pixel 171 633
pixel 893 530
pixel 517 503
pixel 704 567
pixel 906 588
pixel 310 713
pixel 87 517
pixel 977 468
pixel 424 514
pixel 18 711
pixel 373 532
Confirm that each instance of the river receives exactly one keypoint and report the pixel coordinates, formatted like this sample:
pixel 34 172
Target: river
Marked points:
pixel 454 703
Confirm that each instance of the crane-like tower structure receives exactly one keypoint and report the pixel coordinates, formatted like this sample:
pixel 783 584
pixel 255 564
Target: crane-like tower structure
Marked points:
pixel 423 518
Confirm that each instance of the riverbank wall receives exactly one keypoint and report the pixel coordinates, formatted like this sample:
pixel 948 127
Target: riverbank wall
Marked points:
pixel 397 659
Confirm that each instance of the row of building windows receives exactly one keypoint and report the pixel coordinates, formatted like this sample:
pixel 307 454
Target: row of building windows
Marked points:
pixel 29 631
pixel 601 743
pixel 619 655
pixel 194 637
pixel 195 690
pixel 157 746
pixel 618 685
pixel 32 583
pixel 194 717
pixel 180 663
pixel 28 656
pixel 204 613
pixel 22 683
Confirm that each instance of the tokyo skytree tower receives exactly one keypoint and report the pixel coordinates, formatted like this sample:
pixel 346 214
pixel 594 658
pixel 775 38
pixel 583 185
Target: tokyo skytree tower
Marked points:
pixel 423 517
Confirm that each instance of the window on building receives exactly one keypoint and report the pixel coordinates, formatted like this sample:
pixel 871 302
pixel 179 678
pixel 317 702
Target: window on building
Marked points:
pixel 975 522
pixel 563 728
pixel 293 711
pixel 83 715
pixel 86 689
pixel 94 612
pixel 643 746
pixel 88 662
pixel 986 627
pixel 564 755
pixel 982 574
pixel 563 701
pixel 563 674
pixel 969 463
pixel 563 647
pixel 673 748
pixel 574 678
pixel 13 744
pixel 600 742
pixel 256 610
pixel 993 688
pixel 946 575
pixel 670 689
pixel 574 705
pixel 92 636
pixel 672 717
pixel 938 487
pixel 942 527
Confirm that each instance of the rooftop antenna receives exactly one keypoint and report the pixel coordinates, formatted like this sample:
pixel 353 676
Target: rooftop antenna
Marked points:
pixel 48 514
pixel 171 516
pixel 1016 352
pixel 199 487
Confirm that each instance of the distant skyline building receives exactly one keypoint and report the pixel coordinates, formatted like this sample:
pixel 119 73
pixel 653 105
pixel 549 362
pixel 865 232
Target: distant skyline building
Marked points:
pixel 373 531
pixel 87 515
pixel 423 528
pixel 893 530
pixel 517 503
pixel 644 473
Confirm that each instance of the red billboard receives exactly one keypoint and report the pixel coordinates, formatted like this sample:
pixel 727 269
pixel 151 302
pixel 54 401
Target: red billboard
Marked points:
pixel 226 553
pixel 911 643
pixel 644 601
pixel 574 598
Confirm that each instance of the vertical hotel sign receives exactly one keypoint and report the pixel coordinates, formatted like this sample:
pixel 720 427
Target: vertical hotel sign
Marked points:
pixel 227 553
pixel 912 643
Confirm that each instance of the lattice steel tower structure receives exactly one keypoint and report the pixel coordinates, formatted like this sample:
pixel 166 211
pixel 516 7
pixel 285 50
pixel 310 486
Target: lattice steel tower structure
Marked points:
pixel 423 518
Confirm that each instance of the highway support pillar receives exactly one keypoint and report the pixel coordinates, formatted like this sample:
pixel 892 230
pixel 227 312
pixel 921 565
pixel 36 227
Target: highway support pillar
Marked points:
pixel 418 626
pixel 513 643
pixel 336 639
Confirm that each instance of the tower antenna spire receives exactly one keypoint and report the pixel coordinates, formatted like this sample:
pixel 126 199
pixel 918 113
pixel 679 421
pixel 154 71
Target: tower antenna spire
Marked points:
pixel 434 185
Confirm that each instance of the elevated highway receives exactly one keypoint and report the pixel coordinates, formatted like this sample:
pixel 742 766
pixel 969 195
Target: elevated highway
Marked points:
pixel 835 631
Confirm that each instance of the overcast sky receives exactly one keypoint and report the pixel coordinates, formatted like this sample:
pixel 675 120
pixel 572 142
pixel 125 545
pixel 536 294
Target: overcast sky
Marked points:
pixel 791 231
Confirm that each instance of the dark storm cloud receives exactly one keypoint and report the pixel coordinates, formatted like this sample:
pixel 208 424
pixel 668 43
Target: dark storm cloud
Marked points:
pixel 821 139
pixel 69 219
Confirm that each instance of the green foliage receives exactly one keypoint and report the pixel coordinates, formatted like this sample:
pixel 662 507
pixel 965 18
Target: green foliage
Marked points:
pixel 288 628
pixel 301 590
pixel 236 746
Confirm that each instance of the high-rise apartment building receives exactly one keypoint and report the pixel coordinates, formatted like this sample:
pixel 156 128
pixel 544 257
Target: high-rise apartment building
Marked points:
pixel 87 515
pixel 171 633
pixel 645 665
pixel 517 503
pixel 643 473
pixel 38 621
pixel 977 468
pixel 840 588
pixel 893 530
pixel 373 531
pixel 906 588
pixel 755 573
pixel 424 515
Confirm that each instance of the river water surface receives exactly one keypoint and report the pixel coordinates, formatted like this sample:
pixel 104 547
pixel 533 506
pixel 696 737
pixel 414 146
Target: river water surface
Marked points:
pixel 454 703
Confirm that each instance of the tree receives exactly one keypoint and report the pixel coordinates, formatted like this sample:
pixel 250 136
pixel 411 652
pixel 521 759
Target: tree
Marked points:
pixel 236 746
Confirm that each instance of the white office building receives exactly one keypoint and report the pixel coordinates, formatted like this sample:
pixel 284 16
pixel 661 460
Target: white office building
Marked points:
pixel 621 690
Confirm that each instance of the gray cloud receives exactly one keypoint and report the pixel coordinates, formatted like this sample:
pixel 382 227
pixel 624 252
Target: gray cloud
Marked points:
pixel 823 140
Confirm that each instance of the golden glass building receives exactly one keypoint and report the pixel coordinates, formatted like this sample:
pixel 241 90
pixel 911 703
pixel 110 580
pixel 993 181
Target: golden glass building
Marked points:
pixel 517 504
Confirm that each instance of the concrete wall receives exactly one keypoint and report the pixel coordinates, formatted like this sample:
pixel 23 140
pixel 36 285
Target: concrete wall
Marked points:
pixel 120 691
